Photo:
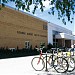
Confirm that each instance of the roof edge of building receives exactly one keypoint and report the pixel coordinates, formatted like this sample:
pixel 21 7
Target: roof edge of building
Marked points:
pixel 25 13
pixel 53 24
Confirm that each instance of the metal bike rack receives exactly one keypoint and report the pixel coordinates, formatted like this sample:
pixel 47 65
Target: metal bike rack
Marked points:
pixel 46 62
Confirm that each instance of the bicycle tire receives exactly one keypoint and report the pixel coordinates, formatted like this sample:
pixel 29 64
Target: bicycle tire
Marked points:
pixel 60 65
pixel 38 66
pixel 71 63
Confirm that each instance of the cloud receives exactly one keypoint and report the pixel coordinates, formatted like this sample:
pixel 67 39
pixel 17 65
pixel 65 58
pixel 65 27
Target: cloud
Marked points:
pixel 47 5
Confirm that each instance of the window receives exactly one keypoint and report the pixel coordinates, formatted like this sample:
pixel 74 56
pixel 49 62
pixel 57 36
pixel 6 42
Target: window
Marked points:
pixel 27 44
pixel 55 42
pixel 44 27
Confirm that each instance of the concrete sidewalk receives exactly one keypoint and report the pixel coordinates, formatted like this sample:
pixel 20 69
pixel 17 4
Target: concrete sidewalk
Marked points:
pixel 22 66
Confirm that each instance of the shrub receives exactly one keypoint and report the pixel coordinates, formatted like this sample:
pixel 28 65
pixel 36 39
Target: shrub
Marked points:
pixel 49 46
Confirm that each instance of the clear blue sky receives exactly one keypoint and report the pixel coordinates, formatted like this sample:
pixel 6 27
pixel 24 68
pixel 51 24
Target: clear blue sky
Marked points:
pixel 50 18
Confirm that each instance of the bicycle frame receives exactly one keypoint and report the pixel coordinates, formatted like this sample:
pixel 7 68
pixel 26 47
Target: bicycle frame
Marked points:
pixel 40 57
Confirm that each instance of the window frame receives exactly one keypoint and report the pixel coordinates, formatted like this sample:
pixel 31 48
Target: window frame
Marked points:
pixel 27 44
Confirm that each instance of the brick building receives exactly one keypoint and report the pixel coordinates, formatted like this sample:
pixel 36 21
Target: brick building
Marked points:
pixel 21 29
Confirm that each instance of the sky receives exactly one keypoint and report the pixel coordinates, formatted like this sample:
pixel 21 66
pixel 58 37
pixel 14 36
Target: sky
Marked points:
pixel 50 18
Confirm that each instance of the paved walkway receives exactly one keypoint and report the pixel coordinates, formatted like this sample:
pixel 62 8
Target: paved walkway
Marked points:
pixel 22 66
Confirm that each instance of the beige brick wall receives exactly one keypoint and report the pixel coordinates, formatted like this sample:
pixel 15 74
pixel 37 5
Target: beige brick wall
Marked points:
pixel 15 27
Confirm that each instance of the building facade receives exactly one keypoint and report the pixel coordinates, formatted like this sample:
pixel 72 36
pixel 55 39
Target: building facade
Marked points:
pixel 18 29
pixel 60 36
pixel 22 30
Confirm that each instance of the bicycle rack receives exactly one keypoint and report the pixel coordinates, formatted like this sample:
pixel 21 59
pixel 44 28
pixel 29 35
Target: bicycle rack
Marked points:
pixel 46 62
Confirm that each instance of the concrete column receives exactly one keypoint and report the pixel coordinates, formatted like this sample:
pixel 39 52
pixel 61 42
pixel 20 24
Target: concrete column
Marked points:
pixel 50 35
pixel 63 42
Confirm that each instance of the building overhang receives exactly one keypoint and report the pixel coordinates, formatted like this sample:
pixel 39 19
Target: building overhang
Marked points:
pixel 64 36
pixel 74 37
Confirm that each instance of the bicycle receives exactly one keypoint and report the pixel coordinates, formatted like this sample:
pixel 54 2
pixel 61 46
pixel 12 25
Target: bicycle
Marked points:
pixel 58 63
pixel 38 63
pixel 70 60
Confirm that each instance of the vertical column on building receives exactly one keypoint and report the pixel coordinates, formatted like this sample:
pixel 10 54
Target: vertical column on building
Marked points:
pixel 63 42
pixel 50 35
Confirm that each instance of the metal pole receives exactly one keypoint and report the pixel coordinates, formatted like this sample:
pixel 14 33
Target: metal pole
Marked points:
pixel 52 54
pixel 46 62
pixel 73 51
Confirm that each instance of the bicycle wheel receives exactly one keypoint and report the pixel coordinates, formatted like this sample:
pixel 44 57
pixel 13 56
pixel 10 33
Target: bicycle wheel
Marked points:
pixel 60 65
pixel 71 63
pixel 38 63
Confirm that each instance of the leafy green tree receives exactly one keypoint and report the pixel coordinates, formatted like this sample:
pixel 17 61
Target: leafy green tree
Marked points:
pixel 64 8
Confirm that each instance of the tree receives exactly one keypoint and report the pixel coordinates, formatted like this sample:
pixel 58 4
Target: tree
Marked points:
pixel 65 8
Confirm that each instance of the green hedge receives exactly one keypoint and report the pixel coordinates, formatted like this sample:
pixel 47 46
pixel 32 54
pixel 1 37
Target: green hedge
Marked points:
pixel 17 53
